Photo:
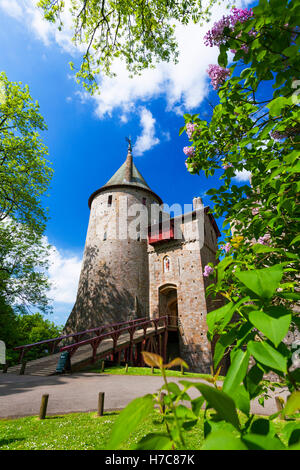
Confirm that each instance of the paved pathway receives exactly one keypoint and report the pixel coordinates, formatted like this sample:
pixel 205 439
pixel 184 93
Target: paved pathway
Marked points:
pixel 21 395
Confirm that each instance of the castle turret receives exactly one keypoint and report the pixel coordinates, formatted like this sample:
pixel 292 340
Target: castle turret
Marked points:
pixel 114 279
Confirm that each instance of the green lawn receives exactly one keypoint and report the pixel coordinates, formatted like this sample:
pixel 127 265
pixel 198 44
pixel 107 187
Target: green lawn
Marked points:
pixel 83 431
pixel 121 370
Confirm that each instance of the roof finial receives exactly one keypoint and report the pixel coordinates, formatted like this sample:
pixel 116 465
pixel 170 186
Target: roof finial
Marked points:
pixel 128 139
pixel 128 169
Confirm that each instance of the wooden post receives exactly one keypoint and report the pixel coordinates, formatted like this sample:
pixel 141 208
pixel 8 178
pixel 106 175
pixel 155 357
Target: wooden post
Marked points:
pixel 43 408
pixel 152 370
pixel 126 368
pixel 102 366
pixel 182 370
pixel 22 369
pixel 5 367
pixel 100 404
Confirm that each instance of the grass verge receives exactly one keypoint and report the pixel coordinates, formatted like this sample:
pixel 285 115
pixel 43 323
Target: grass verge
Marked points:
pixel 85 431
pixel 121 370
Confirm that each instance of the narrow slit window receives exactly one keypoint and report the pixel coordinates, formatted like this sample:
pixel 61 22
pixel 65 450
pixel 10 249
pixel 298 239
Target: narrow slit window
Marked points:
pixel 144 201
pixel 109 202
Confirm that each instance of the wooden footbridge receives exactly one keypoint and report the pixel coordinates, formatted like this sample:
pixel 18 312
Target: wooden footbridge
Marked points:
pixel 116 342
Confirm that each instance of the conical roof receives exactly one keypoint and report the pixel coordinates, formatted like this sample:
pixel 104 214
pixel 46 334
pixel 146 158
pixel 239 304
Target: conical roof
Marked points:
pixel 127 175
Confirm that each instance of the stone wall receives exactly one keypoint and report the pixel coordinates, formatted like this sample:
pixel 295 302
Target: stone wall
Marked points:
pixel 187 259
pixel 114 280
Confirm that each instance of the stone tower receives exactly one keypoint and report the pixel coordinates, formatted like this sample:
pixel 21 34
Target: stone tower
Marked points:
pixel 114 279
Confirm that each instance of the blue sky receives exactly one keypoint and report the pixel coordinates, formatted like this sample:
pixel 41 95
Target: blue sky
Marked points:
pixel 86 136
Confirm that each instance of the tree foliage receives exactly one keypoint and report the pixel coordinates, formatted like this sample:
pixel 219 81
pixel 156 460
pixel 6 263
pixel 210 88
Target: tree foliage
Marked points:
pixel 23 266
pixel 24 171
pixel 137 31
pixel 17 329
pixel 25 175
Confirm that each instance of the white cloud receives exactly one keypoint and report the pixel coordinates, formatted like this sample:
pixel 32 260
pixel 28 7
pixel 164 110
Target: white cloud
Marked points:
pixel 242 176
pixel 147 139
pixel 184 84
pixel 27 12
pixel 64 272
pixel 11 8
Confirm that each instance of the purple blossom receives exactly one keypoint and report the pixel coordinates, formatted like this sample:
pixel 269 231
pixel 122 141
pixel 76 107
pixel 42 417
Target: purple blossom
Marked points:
pixel 218 75
pixel 208 270
pixel 264 239
pixel 255 211
pixel 215 36
pixel 189 151
pixel 190 129
pixel 240 15
pixel 226 165
pixel 226 247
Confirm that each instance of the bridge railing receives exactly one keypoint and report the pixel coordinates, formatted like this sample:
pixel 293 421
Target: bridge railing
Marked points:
pixel 54 342
pixel 116 333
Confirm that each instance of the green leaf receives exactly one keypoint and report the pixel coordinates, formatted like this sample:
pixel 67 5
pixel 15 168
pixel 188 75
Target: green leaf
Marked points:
pixel 264 353
pixel 154 441
pixel 260 426
pixel 218 319
pixel 197 404
pixel 257 248
pixel 223 440
pixel 129 418
pixel 236 371
pixel 277 105
pixel 253 379
pixel 291 433
pixel 241 398
pixel 221 402
pixel 273 323
pixel 295 240
pixel 260 442
pixel 292 404
pixel 223 342
pixel 262 282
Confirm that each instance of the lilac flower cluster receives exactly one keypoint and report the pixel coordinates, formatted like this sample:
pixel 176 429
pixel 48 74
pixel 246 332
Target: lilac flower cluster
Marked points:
pixel 226 165
pixel 255 211
pixel 215 36
pixel 208 270
pixel 226 247
pixel 189 151
pixel 218 75
pixel 264 240
pixel 240 15
pixel 190 129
